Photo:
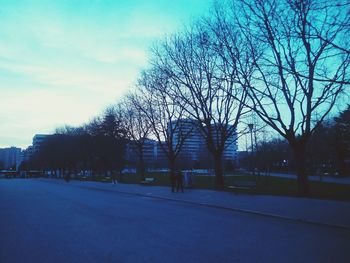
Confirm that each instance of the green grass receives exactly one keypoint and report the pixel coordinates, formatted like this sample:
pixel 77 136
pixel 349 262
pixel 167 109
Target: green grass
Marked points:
pixel 272 185
pixel 266 185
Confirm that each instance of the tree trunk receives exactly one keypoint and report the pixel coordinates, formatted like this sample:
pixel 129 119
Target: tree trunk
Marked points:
pixel 172 174
pixel 172 166
pixel 300 161
pixel 219 173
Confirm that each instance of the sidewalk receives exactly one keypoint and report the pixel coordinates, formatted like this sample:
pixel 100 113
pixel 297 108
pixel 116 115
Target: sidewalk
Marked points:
pixel 314 211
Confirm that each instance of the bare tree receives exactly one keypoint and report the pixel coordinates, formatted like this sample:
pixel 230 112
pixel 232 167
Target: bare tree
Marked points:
pixel 204 82
pixel 137 127
pixel 163 113
pixel 301 65
pixel 70 130
pixel 112 122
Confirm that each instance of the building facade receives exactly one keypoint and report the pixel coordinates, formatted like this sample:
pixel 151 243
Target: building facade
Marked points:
pixel 153 155
pixel 10 158
pixel 38 140
pixel 194 151
pixel 194 142
pixel 26 154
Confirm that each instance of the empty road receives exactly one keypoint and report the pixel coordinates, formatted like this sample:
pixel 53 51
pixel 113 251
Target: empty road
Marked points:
pixel 54 221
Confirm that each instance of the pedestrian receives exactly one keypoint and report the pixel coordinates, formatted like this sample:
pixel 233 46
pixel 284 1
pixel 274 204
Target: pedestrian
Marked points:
pixel 179 181
pixel 185 178
pixel 114 178
pixel 172 181
pixel 67 177
pixel 191 179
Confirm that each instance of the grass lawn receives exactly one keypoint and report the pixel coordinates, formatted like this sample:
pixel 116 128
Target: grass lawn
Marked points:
pixel 265 185
pixel 283 186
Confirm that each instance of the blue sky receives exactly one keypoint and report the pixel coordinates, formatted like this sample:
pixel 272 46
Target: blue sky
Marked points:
pixel 64 61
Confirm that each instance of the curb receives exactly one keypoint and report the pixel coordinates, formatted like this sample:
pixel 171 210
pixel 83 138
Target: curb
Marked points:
pixel 240 210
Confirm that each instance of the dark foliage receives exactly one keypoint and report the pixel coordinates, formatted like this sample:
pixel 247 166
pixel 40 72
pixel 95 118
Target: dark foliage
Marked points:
pixel 98 147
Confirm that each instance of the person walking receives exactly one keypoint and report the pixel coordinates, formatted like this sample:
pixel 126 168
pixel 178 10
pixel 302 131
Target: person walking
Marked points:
pixel 185 178
pixel 179 181
pixel 172 181
pixel 191 179
pixel 114 178
pixel 67 177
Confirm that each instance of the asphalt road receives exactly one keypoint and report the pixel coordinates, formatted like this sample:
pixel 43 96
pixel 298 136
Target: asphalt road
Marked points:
pixel 53 221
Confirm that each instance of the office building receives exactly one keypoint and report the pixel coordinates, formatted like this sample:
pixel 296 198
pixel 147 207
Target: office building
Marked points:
pixel 38 140
pixel 10 158
pixel 194 149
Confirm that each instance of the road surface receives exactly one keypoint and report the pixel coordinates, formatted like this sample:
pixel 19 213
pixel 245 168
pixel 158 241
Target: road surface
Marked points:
pixel 54 221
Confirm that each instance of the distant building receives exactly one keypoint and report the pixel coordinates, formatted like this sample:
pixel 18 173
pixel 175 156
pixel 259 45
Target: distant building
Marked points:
pixel 194 149
pixel 10 157
pixel 153 155
pixel 150 152
pixel 26 154
pixel 230 152
pixel 194 152
pixel 160 160
pixel 38 140
pixel 194 141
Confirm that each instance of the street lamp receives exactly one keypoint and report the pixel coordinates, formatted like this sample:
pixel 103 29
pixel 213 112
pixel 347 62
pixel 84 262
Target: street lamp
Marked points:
pixel 251 126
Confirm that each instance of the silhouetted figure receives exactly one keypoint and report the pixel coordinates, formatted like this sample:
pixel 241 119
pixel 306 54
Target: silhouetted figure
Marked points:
pixel 179 181
pixel 114 178
pixel 172 181
pixel 191 179
pixel 67 178
pixel 185 178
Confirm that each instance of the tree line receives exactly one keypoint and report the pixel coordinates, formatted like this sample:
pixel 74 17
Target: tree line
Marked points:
pixel 328 151
pixel 98 146
pixel 285 61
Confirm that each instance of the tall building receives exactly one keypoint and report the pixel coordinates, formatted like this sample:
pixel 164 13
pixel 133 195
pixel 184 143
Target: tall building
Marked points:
pixel 194 148
pixel 10 157
pixel 194 143
pixel 194 152
pixel 230 152
pixel 38 140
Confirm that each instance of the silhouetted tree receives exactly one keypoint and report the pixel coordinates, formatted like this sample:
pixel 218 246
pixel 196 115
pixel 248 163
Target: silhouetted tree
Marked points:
pixel 99 146
pixel 273 155
pixel 109 140
pixel 342 141
pixel 203 81
pixel 301 65
pixel 163 113
pixel 137 129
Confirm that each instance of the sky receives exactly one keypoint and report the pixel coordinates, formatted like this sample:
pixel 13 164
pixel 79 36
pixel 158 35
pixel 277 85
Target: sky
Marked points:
pixel 64 61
